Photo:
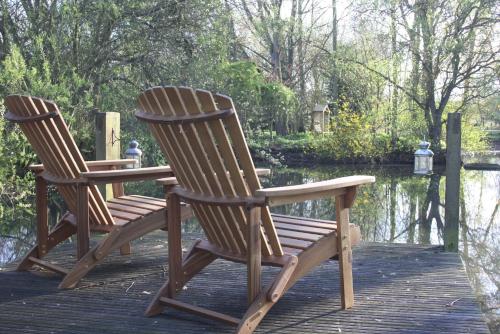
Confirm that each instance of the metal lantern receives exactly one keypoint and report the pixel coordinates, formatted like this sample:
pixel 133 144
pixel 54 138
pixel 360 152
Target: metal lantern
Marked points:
pixel 423 159
pixel 133 153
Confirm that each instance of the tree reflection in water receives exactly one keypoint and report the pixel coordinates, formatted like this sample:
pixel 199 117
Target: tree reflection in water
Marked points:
pixel 400 207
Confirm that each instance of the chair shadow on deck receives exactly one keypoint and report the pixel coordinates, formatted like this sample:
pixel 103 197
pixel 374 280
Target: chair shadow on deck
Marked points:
pixel 25 286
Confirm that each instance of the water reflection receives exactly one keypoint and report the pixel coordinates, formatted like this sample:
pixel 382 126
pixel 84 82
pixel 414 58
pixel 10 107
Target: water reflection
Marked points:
pixel 400 207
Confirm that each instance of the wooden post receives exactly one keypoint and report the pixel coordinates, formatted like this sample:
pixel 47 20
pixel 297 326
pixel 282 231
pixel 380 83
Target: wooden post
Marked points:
pixel 342 204
pixel 107 143
pixel 42 228
pixel 253 253
pixel 82 220
pixel 452 194
pixel 174 243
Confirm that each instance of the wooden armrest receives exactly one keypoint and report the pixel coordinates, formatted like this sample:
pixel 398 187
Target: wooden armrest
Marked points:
pixel 36 168
pixel 172 181
pixel 262 171
pixel 101 163
pixel 121 175
pixel 168 181
pixel 97 164
pixel 315 190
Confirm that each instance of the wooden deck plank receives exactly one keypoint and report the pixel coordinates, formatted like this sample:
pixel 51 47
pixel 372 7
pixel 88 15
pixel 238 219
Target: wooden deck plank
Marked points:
pixel 398 289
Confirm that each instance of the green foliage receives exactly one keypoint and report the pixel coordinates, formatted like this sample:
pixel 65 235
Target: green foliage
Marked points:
pixel 16 186
pixel 351 137
pixel 101 55
pixel 261 104
pixel 473 138
pixel 243 81
pixel 279 104
pixel 18 77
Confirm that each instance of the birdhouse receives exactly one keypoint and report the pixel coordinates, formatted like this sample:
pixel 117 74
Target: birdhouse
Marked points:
pixel 320 118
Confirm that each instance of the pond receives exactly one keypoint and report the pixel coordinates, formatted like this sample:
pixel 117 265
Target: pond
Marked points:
pixel 400 207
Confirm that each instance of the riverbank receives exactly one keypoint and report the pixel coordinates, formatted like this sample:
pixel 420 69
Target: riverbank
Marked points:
pixel 308 149
pixel 297 157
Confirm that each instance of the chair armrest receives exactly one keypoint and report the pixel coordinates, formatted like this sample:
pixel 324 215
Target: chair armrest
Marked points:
pixel 263 171
pixel 322 189
pixel 122 175
pixel 92 165
pixel 172 181
pixel 107 164
pixel 36 168
pixel 168 181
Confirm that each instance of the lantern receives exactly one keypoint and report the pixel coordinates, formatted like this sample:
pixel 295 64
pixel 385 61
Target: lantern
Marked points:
pixel 423 159
pixel 133 153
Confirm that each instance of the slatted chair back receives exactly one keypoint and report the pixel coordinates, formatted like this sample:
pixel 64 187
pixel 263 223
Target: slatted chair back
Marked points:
pixel 201 136
pixel 41 122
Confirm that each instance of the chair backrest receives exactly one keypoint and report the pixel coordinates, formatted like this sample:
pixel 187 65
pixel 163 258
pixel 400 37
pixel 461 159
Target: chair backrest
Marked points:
pixel 41 122
pixel 206 149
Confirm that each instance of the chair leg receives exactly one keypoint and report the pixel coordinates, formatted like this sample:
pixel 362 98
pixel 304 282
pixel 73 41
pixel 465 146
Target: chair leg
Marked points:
pixel 195 261
pixel 266 299
pixel 61 232
pixel 116 239
pixel 42 223
pixel 345 253
pixel 253 253
pixel 126 249
pixel 255 313
pixel 82 220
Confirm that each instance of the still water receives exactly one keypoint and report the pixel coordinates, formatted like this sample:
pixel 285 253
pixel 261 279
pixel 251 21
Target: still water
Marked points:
pixel 400 207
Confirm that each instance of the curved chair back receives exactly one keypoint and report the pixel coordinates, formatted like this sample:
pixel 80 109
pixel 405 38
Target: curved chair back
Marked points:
pixel 201 136
pixel 41 122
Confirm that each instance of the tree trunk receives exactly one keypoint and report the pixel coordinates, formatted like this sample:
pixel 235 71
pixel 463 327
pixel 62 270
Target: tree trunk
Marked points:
pixel 233 47
pixel 414 34
pixel 431 112
pixel 395 77
pixel 334 80
pixel 291 45
pixel 302 79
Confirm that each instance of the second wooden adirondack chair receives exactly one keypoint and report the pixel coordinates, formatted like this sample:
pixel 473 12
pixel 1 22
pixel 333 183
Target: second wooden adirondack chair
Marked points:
pixel 201 137
pixel 125 218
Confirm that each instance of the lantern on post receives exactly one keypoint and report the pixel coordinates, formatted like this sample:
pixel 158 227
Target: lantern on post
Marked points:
pixel 133 153
pixel 423 159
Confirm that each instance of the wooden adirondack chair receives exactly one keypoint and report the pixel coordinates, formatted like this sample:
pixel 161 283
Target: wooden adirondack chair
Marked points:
pixel 125 218
pixel 201 137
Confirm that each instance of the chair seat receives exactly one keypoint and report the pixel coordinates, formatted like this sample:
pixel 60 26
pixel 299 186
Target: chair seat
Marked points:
pixel 125 209
pixel 298 233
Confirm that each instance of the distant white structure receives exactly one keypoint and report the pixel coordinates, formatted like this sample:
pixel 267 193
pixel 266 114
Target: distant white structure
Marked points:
pixel 321 118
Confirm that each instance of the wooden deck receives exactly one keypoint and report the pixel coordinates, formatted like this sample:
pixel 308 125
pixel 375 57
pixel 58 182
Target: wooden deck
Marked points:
pixel 398 289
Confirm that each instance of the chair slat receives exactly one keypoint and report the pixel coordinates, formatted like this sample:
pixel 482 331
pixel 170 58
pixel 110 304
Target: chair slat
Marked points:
pixel 145 199
pixel 305 222
pixel 124 215
pixel 135 204
pixel 298 235
pixel 328 222
pixel 125 208
pixel 294 243
pixel 299 228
